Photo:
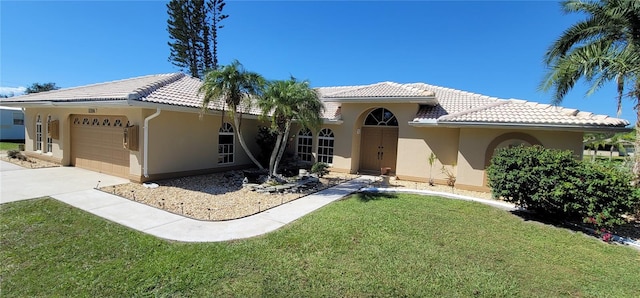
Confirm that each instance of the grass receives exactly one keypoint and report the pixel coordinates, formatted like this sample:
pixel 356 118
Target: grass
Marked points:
pixel 8 146
pixel 367 245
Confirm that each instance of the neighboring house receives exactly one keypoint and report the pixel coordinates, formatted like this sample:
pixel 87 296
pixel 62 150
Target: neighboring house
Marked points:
pixel 366 128
pixel 11 124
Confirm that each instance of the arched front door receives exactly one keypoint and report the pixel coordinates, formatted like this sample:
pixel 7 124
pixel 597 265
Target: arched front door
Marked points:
pixel 379 141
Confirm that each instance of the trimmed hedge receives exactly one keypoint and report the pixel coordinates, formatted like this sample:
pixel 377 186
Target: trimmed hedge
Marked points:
pixel 553 182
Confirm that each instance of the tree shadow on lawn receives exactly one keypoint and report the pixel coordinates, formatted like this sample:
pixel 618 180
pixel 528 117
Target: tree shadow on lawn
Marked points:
pixel 630 230
pixel 367 196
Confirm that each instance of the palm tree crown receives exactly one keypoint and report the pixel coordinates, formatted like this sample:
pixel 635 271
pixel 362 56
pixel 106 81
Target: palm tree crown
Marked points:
pixel 288 101
pixel 601 48
pixel 236 87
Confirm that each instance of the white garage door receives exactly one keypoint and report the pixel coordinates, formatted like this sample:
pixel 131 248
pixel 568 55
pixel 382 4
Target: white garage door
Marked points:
pixel 96 144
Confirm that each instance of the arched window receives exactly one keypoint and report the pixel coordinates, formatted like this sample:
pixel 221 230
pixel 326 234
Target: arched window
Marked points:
pixel 381 117
pixel 325 146
pixel 38 133
pixel 49 139
pixel 225 144
pixel 305 145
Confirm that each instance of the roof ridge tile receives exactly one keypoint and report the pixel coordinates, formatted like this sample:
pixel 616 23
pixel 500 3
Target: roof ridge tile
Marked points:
pixel 147 89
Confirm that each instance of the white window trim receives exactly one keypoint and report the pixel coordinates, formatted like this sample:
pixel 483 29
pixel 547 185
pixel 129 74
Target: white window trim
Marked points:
pixel 38 138
pixel 228 131
pixel 321 137
pixel 310 137
pixel 49 143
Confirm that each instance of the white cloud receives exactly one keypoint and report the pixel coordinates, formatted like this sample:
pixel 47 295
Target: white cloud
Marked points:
pixel 12 90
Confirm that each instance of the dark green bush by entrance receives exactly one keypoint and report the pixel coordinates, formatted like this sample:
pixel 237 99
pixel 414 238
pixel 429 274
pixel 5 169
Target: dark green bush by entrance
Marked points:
pixel 553 182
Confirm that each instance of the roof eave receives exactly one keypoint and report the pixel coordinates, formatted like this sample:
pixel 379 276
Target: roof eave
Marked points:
pixel 332 121
pixel 533 126
pixel 179 108
pixel 74 103
pixel 536 126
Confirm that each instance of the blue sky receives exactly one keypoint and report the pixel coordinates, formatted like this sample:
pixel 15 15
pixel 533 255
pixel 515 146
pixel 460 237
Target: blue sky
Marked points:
pixel 489 47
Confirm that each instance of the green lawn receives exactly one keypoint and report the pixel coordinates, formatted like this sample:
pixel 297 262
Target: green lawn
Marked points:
pixel 8 146
pixel 362 246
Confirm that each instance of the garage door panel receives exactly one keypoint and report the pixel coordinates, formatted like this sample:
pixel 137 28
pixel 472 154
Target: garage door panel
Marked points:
pixel 96 144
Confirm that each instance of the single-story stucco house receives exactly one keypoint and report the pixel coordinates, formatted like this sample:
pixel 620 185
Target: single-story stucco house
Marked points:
pixel 151 127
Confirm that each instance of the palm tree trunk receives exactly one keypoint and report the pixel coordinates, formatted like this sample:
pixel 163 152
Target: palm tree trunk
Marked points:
pixel 636 153
pixel 272 160
pixel 283 145
pixel 236 121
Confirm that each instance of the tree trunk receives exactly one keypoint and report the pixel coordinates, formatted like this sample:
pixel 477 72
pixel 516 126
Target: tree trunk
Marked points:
pixel 273 168
pixel 636 153
pixel 236 121
pixel 611 153
pixel 283 145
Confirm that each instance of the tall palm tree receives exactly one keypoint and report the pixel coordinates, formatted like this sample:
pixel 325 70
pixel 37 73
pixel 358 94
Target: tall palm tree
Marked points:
pixel 236 87
pixel 604 47
pixel 286 102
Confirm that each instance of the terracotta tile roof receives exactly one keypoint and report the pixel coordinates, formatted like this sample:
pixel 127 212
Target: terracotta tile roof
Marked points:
pixel 115 90
pixel 184 93
pixel 457 106
pixel 523 112
pixel 177 89
pixel 384 89
pixel 454 106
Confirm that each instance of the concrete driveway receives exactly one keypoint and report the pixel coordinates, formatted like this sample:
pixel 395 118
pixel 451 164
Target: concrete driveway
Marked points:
pixel 18 183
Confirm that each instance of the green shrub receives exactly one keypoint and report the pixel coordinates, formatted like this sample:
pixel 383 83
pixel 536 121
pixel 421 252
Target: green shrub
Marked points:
pixel 320 168
pixel 553 182
pixel 605 194
pixel 528 177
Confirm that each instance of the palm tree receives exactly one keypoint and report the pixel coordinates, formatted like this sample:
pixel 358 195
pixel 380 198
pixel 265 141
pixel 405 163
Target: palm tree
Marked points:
pixel 604 47
pixel 286 102
pixel 236 87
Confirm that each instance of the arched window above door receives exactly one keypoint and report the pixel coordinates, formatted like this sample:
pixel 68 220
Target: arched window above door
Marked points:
pixel 381 117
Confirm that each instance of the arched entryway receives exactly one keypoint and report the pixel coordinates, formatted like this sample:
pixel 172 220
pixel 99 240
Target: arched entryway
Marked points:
pixel 511 139
pixel 379 141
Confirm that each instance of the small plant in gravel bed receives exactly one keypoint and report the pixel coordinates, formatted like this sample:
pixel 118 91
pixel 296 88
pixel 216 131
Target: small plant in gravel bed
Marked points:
pixel 320 169
pixel 16 154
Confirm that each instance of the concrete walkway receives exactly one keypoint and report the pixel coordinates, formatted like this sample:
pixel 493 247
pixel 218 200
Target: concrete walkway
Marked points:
pixel 171 226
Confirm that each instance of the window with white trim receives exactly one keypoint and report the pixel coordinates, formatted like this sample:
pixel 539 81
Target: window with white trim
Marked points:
pixel 38 133
pixel 305 145
pixel 226 140
pixel 381 117
pixel 325 146
pixel 49 139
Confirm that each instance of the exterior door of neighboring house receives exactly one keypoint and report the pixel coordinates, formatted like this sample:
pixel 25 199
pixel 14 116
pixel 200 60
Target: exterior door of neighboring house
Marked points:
pixel 379 141
pixel 378 148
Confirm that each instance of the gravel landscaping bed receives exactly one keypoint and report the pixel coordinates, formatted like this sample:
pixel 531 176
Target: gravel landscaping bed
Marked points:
pixel 219 196
pixel 30 163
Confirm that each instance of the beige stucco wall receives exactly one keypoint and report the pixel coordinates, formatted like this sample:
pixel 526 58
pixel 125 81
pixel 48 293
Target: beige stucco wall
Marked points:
pixel 461 149
pixel 61 147
pixel 416 144
pixel 474 143
pixel 180 142
pixel 348 137
pixel 184 141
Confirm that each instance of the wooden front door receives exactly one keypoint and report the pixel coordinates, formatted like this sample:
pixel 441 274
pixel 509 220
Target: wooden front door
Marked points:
pixel 378 148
